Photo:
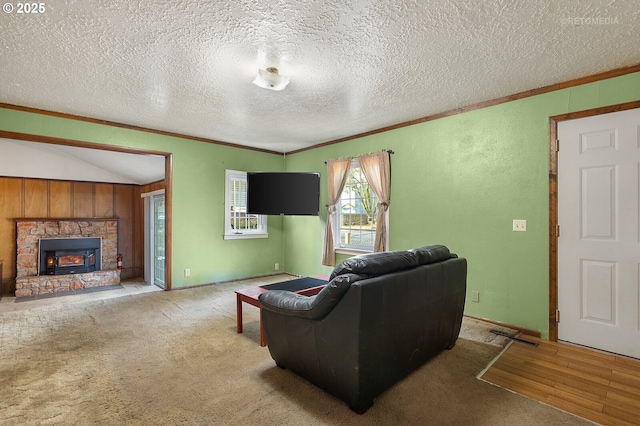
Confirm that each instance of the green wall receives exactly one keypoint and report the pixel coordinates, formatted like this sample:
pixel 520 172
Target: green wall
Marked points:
pixel 198 196
pixel 460 181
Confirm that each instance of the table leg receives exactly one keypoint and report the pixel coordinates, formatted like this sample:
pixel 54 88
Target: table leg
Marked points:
pixel 239 312
pixel 263 341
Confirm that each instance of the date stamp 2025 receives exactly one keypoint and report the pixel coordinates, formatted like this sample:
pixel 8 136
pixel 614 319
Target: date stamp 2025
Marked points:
pixel 30 8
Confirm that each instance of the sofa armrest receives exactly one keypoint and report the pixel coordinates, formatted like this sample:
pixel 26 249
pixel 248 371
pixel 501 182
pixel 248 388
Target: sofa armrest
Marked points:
pixel 314 307
pixel 285 302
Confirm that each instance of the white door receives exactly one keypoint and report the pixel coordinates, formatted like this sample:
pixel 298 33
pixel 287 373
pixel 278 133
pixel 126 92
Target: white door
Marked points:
pixel 599 242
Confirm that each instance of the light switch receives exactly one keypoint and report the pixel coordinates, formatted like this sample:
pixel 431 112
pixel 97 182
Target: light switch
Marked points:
pixel 519 225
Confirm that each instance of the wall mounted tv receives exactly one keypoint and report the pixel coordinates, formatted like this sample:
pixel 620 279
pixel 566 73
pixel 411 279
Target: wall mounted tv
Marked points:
pixel 282 193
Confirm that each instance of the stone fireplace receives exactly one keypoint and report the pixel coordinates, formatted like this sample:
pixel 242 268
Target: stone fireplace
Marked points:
pixel 65 254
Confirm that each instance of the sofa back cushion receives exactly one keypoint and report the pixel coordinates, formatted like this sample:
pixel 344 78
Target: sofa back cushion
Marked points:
pixel 375 264
pixel 431 254
pixel 381 263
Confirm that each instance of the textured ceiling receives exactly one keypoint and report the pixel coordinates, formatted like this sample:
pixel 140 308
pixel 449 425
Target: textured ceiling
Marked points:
pixel 186 66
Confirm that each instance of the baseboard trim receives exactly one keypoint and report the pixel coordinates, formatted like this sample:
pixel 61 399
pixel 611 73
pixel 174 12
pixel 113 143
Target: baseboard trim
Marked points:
pixel 523 330
pixel 234 280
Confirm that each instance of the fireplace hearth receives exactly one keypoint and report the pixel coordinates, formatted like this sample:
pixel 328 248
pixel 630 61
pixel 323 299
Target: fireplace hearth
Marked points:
pixel 63 256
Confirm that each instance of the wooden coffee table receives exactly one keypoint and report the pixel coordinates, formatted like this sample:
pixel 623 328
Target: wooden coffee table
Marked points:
pixel 250 295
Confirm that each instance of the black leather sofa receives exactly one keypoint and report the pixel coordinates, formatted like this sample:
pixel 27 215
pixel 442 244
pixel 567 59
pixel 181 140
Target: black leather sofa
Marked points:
pixel 381 316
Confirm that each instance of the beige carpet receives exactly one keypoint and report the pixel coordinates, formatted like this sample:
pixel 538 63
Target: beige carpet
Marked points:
pixel 175 358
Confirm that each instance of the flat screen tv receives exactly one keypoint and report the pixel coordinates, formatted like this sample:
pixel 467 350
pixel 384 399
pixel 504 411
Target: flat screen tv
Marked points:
pixel 283 193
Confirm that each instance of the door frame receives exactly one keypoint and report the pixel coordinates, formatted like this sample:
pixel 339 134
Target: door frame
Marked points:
pixel 168 177
pixel 553 202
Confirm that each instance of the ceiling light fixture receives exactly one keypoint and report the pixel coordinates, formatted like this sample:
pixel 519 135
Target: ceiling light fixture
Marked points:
pixel 270 79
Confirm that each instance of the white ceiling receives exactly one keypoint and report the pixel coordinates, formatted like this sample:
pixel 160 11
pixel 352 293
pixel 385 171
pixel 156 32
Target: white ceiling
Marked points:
pixel 186 66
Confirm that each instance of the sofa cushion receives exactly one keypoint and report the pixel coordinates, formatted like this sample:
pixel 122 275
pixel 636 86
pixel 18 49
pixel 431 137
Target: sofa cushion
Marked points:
pixel 431 254
pixel 314 307
pixel 375 264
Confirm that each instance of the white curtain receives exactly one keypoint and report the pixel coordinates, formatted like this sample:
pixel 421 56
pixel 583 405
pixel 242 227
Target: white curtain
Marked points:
pixel 337 172
pixel 377 169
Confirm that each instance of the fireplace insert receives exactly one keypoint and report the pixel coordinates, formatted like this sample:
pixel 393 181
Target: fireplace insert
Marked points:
pixel 61 256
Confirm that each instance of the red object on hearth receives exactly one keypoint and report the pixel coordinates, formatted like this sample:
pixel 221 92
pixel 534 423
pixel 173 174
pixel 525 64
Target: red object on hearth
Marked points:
pixel 119 261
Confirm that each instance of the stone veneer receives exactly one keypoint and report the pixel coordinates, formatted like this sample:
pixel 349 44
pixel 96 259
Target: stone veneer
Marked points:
pixel 32 286
pixel 28 283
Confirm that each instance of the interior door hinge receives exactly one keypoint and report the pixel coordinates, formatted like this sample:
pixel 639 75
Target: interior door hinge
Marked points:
pixel 557 316
pixel 557 145
pixel 557 230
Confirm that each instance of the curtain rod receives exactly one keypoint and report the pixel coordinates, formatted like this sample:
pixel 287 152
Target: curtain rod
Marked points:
pixel 388 150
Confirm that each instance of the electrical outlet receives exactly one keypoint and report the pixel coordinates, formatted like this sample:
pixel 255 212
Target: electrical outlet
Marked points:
pixel 276 266
pixel 519 225
pixel 187 272
pixel 475 296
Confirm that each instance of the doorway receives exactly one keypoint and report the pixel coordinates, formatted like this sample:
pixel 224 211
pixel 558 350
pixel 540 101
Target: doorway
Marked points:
pixel 597 235
pixel 117 155
pixel 155 238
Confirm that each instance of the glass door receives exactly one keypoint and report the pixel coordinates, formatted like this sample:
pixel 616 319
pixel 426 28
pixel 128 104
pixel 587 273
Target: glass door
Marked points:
pixel 158 240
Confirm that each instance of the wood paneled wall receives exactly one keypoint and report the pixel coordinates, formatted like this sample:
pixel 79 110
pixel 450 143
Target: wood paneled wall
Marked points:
pixel 41 198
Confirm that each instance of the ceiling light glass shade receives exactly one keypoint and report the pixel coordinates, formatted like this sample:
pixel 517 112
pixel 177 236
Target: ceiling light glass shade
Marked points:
pixel 270 79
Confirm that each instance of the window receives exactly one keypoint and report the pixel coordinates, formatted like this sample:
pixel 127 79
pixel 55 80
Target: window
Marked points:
pixel 356 213
pixel 237 223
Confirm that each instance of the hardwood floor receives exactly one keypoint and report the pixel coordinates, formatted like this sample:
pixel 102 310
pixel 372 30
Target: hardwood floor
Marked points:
pixel 597 386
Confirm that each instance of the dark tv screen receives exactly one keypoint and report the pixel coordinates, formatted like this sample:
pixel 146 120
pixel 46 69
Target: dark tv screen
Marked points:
pixel 281 193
